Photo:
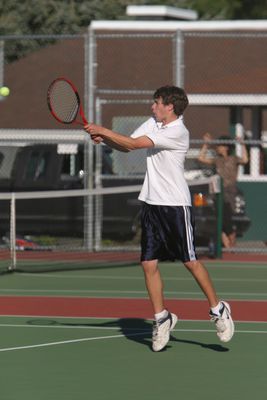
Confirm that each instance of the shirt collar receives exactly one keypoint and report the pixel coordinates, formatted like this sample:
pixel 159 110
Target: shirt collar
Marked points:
pixel 176 122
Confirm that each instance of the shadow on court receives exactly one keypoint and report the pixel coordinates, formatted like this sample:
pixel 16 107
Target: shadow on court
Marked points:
pixel 135 329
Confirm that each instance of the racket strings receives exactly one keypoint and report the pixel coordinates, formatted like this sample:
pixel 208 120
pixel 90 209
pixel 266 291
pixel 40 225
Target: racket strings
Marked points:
pixel 64 101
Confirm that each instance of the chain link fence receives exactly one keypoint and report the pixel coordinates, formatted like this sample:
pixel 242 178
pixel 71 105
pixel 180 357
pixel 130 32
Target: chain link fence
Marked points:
pixel 116 74
pixel 250 223
pixel 229 63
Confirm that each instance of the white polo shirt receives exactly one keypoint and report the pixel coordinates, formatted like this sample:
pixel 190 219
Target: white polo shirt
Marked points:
pixel 164 182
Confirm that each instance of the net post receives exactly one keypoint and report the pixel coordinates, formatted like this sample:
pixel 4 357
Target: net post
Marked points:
pixel 90 51
pixel 219 210
pixel 13 254
pixel 98 183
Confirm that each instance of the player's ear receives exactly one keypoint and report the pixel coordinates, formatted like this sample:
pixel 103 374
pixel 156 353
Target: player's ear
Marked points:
pixel 170 107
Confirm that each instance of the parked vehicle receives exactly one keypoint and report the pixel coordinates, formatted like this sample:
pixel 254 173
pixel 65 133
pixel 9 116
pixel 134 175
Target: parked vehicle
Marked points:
pixel 44 167
pixel 48 167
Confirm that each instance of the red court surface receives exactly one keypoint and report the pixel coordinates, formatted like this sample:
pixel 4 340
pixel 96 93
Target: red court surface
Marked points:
pixel 121 256
pixel 242 310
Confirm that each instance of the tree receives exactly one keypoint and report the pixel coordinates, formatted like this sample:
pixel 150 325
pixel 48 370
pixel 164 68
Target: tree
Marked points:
pixel 229 9
pixel 72 16
pixel 52 17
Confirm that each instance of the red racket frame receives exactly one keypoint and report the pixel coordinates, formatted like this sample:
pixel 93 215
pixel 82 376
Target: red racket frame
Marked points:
pixel 80 108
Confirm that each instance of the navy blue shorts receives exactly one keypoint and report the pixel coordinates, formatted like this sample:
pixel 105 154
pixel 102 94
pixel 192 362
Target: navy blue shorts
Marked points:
pixel 167 233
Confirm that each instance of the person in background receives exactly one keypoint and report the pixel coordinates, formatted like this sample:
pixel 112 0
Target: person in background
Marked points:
pixel 226 163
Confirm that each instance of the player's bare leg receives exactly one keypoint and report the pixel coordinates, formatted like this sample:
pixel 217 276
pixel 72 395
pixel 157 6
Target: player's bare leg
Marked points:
pixel 154 284
pixel 202 277
pixel 220 311
pixel 164 320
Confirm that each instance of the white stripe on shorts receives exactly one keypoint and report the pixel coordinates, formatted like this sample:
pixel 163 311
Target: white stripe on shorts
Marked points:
pixel 189 234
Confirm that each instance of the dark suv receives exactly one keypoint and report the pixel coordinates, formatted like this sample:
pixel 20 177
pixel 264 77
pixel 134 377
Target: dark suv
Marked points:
pixel 44 167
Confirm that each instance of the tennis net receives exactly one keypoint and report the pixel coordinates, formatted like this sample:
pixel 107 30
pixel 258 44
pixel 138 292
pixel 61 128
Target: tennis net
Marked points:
pixel 75 229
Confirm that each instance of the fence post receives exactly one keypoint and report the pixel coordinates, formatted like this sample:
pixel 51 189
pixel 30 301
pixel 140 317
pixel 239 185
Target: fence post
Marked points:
pixel 88 159
pixel 98 204
pixel 12 238
pixel 219 202
pixel 179 55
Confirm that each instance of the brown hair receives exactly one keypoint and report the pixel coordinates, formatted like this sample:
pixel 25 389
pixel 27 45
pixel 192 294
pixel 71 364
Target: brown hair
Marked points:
pixel 172 95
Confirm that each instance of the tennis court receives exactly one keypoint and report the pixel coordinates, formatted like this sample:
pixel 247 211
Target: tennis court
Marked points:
pixel 80 334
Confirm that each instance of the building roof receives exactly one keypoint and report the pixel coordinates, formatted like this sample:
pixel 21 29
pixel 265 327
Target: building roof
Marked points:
pixel 214 25
pixel 213 79
pixel 161 12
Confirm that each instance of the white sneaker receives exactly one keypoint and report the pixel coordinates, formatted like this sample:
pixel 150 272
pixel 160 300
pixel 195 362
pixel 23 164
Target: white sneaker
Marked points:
pixel 161 331
pixel 224 323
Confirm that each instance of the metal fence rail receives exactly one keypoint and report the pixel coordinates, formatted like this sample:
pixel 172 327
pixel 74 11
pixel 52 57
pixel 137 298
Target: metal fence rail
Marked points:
pixel 226 89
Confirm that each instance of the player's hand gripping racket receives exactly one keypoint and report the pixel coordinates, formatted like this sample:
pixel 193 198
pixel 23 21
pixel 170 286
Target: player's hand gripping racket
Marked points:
pixel 64 102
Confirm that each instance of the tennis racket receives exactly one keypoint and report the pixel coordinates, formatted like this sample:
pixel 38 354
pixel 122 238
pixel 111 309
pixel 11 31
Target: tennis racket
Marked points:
pixel 64 102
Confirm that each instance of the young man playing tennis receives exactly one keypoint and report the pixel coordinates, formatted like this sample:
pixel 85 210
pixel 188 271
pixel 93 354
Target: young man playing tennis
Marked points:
pixel 167 219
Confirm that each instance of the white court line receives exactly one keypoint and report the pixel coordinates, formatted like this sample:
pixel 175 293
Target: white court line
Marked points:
pixel 211 263
pixel 62 327
pixel 114 328
pixel 119 292
pixel 141 278
pixel 105 328
pixel 236 264
pixel 71 291
pixel 113 337
pixel 33 346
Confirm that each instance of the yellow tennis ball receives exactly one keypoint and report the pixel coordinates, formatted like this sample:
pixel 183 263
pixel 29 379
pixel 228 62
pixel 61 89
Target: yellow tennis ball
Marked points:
pixel 4 91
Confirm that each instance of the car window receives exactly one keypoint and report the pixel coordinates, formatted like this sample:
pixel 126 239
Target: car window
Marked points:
pixel 72 165
pixel 37 165
pixel 1 159
pixel 7 159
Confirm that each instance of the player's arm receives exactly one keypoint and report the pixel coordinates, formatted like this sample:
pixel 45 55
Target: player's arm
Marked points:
pixel 203 154
pixel 244 154
pixel 118 141
pixel 98 139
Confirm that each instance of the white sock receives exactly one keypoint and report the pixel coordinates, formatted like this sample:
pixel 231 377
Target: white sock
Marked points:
pixel 216 310
pixel 161 315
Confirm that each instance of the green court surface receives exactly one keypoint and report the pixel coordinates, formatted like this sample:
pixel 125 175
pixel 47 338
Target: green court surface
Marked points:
pixel 97 359
pixel 52 357
pixel 235 280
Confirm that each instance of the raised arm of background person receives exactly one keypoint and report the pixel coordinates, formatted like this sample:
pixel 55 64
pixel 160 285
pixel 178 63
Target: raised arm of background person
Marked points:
pixel 118 141
pixel 203 154
pixel 244 157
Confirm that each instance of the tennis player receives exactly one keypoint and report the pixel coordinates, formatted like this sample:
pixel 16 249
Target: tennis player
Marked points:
pixel 167 218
